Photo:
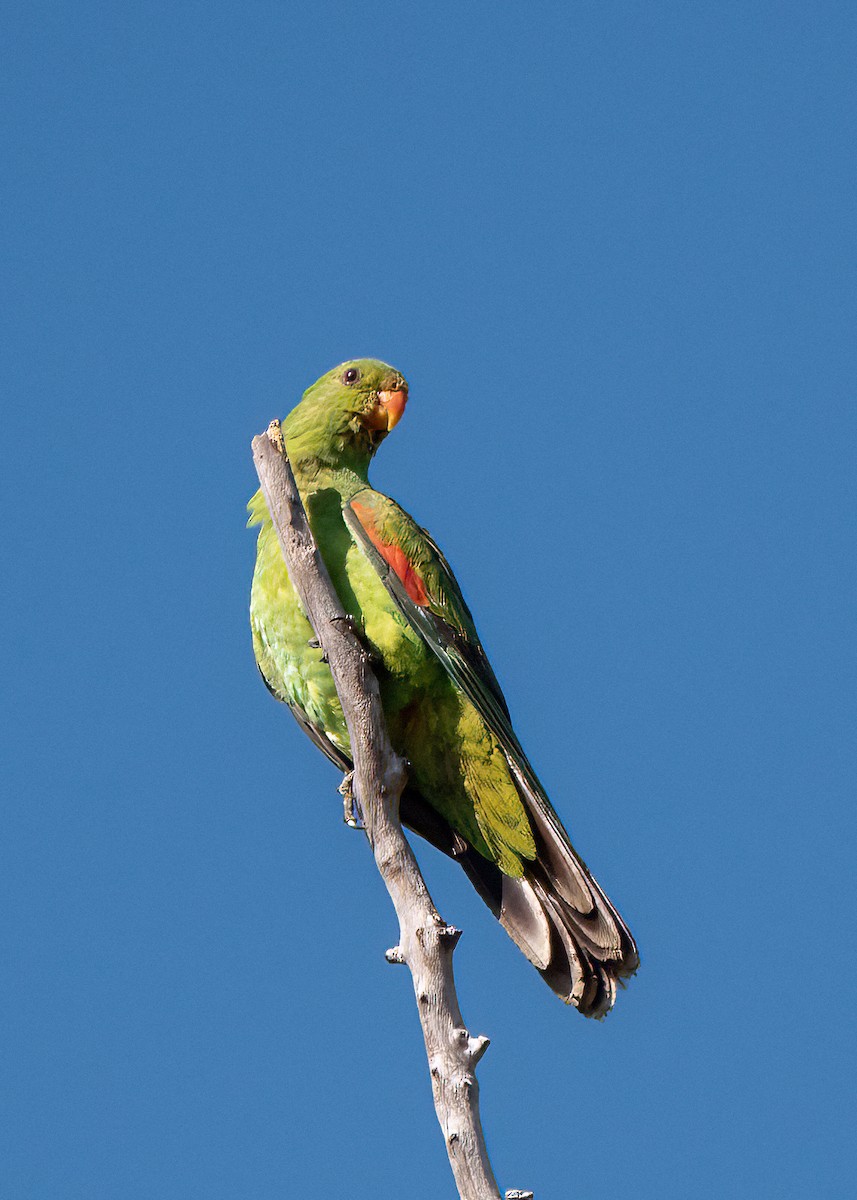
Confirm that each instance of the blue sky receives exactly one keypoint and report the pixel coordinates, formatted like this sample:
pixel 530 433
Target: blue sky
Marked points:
pixel 612 248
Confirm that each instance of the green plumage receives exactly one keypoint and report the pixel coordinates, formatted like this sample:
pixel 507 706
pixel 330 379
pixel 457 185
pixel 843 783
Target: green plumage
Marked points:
pixel 444 708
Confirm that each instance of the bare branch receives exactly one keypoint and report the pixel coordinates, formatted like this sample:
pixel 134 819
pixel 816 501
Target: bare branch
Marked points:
pixel 426 942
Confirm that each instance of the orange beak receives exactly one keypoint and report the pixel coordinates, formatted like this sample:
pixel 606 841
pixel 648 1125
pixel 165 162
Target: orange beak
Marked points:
pixel 391 406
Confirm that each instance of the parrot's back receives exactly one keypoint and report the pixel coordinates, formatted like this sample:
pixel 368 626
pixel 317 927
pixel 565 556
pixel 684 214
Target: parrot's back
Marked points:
pixel 471 790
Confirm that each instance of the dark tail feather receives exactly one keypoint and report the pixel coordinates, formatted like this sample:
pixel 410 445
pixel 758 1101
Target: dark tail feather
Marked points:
pixel 553 936
pixel 557 914
pixel 592 949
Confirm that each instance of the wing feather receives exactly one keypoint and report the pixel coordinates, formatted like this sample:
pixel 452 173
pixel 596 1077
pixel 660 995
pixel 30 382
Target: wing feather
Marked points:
pixel 589 936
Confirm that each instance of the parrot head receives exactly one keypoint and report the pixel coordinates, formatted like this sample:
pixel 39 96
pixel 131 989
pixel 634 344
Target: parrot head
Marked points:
pixel 348 412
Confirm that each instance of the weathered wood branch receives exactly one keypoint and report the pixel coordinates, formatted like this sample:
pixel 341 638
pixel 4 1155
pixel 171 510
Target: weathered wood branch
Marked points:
pixel 426 942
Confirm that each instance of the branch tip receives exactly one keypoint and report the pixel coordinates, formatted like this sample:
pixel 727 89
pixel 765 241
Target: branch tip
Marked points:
pixel 476 1047
pixel 514 1194
pixel 274 434
pixel 449 936
pixel 373 794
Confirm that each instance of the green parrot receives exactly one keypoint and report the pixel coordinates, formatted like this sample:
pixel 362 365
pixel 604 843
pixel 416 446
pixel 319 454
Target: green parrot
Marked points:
pixel 471 790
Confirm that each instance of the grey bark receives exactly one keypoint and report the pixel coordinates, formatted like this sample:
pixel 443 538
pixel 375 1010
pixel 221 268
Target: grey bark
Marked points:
pixel 426 942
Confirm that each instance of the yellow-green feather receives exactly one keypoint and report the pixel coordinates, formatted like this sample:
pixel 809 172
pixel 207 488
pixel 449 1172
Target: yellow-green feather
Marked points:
pixel 456 763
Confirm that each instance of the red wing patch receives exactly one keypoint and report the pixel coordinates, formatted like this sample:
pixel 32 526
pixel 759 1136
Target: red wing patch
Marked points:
pixel 393 555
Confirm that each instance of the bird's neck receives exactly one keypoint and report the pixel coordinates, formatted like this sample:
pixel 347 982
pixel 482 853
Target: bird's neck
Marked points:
pixel 313 474
pixel 333 458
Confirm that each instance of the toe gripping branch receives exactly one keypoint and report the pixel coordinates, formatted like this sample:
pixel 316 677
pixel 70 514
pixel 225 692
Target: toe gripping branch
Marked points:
pixel 355 628
pixel 351 814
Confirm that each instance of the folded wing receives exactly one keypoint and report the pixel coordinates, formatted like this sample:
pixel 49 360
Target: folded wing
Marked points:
pixel 557 913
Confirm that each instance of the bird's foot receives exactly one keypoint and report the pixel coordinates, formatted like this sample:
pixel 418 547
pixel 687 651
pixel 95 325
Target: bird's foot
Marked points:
pixel 350 623
pixel 358 631
pixel 315 644
pixel 351 814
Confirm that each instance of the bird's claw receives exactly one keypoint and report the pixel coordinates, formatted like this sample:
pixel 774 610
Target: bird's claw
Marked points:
pixel 358 631
pixel 350 623
pixel 315 644
pixel 351 814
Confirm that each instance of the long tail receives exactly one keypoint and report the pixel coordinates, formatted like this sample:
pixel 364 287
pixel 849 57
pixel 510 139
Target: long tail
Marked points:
pixel 557 914
pixel 565 945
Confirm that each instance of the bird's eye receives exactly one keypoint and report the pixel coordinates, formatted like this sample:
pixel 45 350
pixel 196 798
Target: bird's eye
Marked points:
pixel 352 375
